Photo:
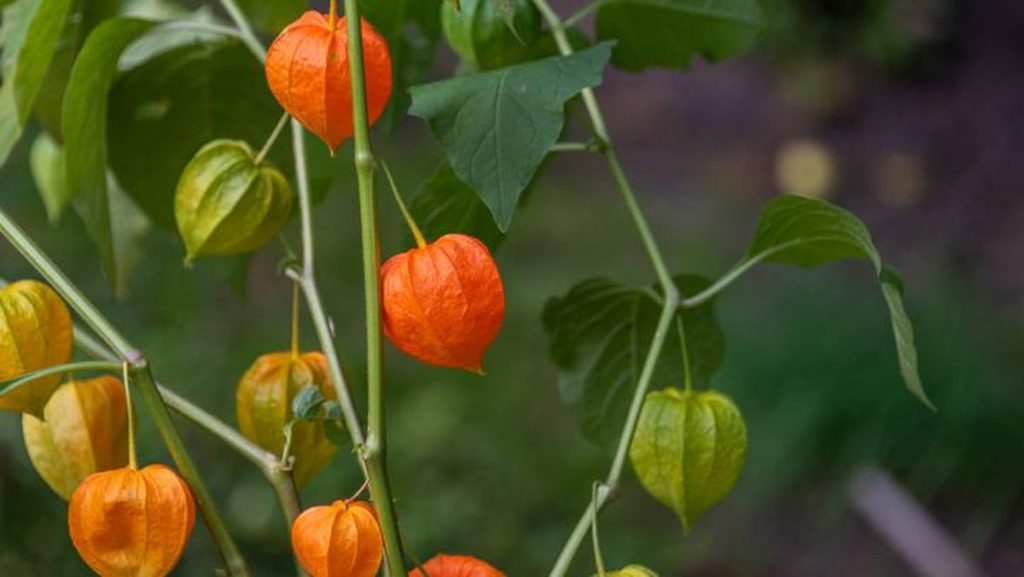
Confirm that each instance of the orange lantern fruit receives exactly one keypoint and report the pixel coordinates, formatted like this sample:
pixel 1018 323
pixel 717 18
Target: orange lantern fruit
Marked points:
pixel 456 566
pixel 308 72
pixel 339 540
pixel 132 523
pixel 35 333
pixel 85 431
pixel 444 303
pixel 264 406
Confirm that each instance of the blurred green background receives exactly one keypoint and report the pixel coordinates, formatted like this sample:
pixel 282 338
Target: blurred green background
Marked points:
pixel 908 112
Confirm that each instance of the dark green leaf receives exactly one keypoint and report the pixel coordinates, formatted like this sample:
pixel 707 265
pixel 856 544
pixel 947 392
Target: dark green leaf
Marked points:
pixel 496 128
pixel 165 110
pixel 85 128
pixel 31 29
pixel 669 33
pixel 272 16
pixel 445 204
pixel 412 29
pixel 809 232
pixel 599 336
pixel 307 403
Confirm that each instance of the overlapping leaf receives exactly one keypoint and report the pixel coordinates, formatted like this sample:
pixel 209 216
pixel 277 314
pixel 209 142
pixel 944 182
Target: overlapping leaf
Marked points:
pixel 30 34
pixel 599 336
pixel 808 232
pixel 670 33
pixel 84 126
pixel 496 128
pixel 165 110
pixel 445 204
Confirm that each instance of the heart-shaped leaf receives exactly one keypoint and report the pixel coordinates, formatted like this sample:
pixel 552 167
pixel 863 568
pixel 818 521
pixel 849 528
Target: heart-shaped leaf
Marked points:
pixel 809 232
pixel 599 336
pixel 670 33
pixel 496 128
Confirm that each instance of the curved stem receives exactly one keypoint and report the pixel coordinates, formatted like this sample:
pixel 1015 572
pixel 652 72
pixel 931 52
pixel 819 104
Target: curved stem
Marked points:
pixel 668 311
pixel 10 385
pixel 244 29
pixel 414 228
pixel 296 289
pixel 233 559
pixel 582 13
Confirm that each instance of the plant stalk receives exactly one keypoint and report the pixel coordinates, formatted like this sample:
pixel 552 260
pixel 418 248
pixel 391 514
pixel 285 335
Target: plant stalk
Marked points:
pixel 375 451
pixel 668 312
pixel 232 557
pixel 372 446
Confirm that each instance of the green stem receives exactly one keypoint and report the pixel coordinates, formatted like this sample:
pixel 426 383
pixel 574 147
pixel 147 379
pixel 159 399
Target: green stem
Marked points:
pixel 81 305
pixel 133 453
pixel 272 139
pixel 10 385
pixel 244 29
pixel 375 451
pixel 685 352
pixel 414 228
pixel 721 284
pixel 668 312
pixel 598 557
pixel 582 13
pixel 233 559
pixel 142 378
pixel 575 147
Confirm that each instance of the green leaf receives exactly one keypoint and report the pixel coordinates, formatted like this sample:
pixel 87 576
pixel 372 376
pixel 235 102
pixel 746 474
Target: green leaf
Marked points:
pixel 49 170
pixel 85 128
pixel 272 16
pixel 30 34
pixel 412 29
pixel 307 403
pixel 496 128
pixel 688 450
pixel 669 33
pixel 809 232
pixel 599 336
pixel 445 204
pixel 165 110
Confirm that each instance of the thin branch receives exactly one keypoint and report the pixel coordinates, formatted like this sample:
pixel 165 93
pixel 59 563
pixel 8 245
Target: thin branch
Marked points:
pixel 668 312
pixel 143 379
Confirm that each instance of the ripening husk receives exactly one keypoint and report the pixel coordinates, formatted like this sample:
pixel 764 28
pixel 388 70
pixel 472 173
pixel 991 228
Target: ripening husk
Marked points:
pixel 85 431
pixel 688 450
pixel 35 333
pixel 456 566
pixel 480 35
pixel 226 204
pixel 340 540
pixel 264 405
pixel 132 523
pixel 444 303
pixel 308 72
